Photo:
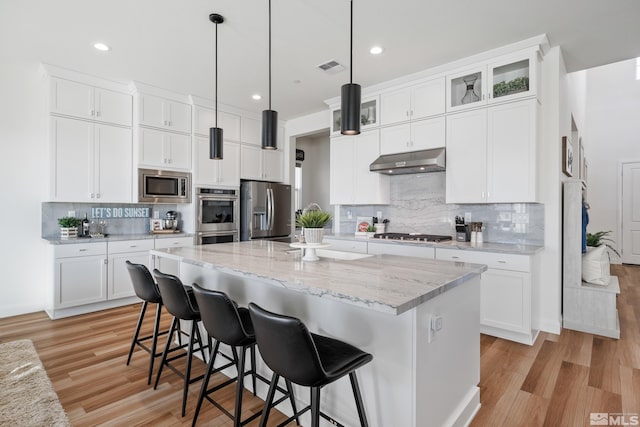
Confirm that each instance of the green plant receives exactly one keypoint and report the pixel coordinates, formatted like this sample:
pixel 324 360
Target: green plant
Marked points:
pixel 313 219
pixel 69 222
pixel 371 229
pixel 600 238
pixel 519 84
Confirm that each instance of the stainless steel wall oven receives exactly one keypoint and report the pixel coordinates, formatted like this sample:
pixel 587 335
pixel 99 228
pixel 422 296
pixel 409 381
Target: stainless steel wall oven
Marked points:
pixel 217 215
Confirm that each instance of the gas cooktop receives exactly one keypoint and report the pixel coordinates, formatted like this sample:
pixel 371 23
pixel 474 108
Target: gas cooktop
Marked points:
pixel 413 237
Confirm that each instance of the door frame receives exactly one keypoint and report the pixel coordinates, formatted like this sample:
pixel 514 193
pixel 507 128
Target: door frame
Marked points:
pixel 621 164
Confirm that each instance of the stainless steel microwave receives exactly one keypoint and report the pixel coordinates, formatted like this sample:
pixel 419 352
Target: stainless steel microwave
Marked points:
pixel 161 186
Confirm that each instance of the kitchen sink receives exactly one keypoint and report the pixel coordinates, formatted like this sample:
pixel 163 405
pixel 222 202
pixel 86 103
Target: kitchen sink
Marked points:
pixel 337 255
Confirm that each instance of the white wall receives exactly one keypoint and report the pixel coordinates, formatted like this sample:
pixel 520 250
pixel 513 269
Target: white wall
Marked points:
pixel 612 134
pixel 315 170
pixel 24 180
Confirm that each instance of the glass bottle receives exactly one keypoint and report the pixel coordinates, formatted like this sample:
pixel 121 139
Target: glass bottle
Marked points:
pixel 470 96
pixel 85 226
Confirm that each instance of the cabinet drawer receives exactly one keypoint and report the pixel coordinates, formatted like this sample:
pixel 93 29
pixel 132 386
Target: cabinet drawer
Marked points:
pixel 130 246
pixel 80 249
pixel 491 259
pixel 347 245
pixel 174 242
pixel 404 250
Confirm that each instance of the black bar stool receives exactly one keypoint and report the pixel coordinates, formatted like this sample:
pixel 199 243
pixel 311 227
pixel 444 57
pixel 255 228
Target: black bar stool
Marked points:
pixel 181 303
pixel 229 324
pixel 307 359
pixel 147 290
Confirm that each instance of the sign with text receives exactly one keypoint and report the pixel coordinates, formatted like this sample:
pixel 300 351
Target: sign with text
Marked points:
pixel 120 212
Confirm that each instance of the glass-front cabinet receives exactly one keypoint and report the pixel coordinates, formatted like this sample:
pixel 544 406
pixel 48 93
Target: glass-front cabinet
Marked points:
pixel 368 116
pixel 508 78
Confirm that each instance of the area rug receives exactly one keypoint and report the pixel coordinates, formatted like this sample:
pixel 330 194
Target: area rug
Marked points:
pixel 27 398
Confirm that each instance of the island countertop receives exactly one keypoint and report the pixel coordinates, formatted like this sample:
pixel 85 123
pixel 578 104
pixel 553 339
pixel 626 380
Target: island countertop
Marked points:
pixel 386 283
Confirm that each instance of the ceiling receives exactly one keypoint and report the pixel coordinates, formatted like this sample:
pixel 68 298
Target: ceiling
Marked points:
pixel 169 43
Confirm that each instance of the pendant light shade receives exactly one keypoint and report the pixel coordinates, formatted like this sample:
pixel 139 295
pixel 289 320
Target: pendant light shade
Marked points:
pixel 215 133
pixel 350 95
pixel 269 117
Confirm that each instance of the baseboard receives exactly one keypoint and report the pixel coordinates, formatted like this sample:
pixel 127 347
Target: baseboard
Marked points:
pixel 551 326
pixel 467 410
pixel 23 309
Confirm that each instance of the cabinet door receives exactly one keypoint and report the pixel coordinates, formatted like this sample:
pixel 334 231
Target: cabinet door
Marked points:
pixel 71 98
pixel 251 129
pixel 113 107
pixel 370 187
pixel 395 107
pixel 178 151
pixel 166 265
pixel 173 242
pixel 231 125
pixel 152 148
pixel 251 162
pixel 466 89
pixel 428 99
pixel 206 169
pixel 505 300
pixel 395 139
pixel 511 152
pixel 229 166
pixel 203 119
pixel 152 111
pixel 341 178
pixel 80 280
pixel 120 285
pixel 113 164
pixel 72 159
pixel 466 157
pixel 512 77
pixel 404 250
pixel 426 134
pixel 179 117
pixel 273 165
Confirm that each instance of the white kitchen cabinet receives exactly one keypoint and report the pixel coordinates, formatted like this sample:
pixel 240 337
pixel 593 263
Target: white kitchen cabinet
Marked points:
pixel 502 79
pixel 80 274
pixel 225 172
pixel 164 150
pixel 231 125
pixel 346 245
pixel 205 118
pixel 90 161
pixel 507 292
pixel 491 154
pixel 409 249
pixel 413 136
pixel 251 131
pixel 165 114
pixel 119 281
pixel 262 165
pixel 368 116
pixel 88 102
pixel 413 103
pixel 351 182
pixel 168 265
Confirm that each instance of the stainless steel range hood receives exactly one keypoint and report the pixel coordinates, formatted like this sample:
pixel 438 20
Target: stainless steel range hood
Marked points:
pixel 414 162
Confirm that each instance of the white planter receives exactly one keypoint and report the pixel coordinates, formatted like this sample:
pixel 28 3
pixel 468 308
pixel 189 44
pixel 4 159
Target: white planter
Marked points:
pixel 313 236
pixel 68 233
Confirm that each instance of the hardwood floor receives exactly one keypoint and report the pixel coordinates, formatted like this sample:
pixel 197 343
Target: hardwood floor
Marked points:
pixel 558 381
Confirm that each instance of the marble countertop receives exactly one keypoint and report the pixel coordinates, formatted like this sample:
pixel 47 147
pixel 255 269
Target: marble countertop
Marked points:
pixel 386 283
pixel 505 248
pixel 55 240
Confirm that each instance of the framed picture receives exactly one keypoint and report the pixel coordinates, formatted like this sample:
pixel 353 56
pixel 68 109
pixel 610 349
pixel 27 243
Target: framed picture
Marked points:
pixel 567 156
pixel 155 225
pixel 362 223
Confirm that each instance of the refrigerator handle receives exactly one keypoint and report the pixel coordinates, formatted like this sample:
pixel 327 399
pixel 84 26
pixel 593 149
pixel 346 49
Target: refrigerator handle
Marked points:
pixel 270 192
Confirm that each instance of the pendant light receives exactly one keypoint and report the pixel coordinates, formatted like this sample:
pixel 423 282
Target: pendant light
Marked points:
pixel 350 96
pixel 269 117
pixel 215 133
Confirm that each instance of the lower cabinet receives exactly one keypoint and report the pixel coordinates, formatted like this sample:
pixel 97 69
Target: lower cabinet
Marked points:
pixel 80 274
pixel 346 245
pixel 168 265
pixel 507 293
pixel 136 251
pixel 404 250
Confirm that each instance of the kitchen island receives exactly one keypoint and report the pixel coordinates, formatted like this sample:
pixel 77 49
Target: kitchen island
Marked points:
pixel 419 318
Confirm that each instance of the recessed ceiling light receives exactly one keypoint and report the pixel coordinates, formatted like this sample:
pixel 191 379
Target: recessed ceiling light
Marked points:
pixel 101 46
pixel 256 96
pixel 375 50
pixel 296 81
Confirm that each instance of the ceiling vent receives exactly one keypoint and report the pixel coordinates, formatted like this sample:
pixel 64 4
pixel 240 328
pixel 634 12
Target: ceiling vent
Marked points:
pixel 331 67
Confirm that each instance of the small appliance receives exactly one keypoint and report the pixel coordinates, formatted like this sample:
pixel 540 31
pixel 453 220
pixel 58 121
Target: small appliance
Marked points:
pixel 161 186
pixel 463 232
pixel 170 221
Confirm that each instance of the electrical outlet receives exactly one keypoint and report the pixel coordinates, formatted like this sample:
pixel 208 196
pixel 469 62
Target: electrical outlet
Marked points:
pixel 379 215
pixel 467 217
pixel 71 214
pixel 349 215
pixel 156 215
pixel 435 325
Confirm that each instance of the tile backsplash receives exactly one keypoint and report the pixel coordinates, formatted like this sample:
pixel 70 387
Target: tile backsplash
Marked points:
pixel 51 211
pixel 418 206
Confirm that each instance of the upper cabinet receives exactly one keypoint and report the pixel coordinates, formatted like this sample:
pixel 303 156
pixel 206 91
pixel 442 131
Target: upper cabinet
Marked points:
pixel 165 114
pixel 413 103
pixel 224 172
pixel 368 116
pixel 164 150
pixel 88 102
pixel 507 78
pixel 261 165
pixel 205 118
pixel 251 130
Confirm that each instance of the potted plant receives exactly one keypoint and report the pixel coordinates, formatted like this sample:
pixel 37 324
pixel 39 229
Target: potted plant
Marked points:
pixel 600 238
pixel 312 223
pixel 68 227
pixel 371 230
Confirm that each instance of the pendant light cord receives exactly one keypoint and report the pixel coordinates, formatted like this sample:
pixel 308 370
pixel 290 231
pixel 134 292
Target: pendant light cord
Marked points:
pixel 350 47
pixel 269 54
pixel 216 76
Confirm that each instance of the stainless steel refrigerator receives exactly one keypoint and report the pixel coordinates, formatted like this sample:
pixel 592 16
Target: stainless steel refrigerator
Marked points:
pixel 265 211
